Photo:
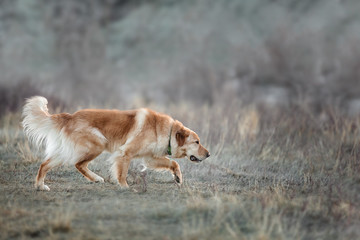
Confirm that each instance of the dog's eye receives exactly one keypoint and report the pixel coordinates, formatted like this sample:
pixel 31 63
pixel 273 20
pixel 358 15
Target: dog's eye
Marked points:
pixel 197 142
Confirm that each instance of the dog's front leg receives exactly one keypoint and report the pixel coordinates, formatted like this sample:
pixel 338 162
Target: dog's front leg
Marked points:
pixel 166 163
pixel 175 168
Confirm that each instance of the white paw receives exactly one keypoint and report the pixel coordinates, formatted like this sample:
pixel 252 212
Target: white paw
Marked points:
pixel 123 186
pixel 99 179
pixel 43 188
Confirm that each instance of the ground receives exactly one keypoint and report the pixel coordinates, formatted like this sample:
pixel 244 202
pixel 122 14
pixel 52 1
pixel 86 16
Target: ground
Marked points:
pixel 293 181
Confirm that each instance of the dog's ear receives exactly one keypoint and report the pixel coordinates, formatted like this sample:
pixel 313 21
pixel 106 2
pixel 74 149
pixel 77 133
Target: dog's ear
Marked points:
pixel 180 137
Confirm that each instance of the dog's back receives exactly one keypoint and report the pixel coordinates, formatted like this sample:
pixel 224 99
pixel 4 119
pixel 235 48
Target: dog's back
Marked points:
pixel 114 125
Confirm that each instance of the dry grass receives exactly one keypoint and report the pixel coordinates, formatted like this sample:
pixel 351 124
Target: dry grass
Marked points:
pixel 279 174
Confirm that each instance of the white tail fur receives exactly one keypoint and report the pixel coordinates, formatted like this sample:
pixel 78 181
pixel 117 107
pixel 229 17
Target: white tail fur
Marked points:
pixel 40 129
pixel 37 122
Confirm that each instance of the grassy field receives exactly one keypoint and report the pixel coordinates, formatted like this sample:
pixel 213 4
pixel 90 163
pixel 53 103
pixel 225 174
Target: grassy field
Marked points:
pixel 280 174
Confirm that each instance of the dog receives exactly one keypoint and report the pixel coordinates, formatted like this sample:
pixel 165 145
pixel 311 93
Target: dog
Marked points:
pixel 80 137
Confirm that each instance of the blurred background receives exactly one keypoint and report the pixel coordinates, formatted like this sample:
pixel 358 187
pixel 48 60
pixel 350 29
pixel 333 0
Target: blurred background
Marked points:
pixel 122 53
pixel 272 87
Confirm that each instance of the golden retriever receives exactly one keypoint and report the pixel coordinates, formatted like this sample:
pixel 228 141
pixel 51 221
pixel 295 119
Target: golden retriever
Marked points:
pixel 80 137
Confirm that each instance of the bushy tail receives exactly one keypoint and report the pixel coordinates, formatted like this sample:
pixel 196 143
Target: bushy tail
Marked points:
pixel 36 120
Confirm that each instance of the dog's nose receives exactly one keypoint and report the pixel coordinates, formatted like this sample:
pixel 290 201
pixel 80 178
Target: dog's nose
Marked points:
pixel 208 154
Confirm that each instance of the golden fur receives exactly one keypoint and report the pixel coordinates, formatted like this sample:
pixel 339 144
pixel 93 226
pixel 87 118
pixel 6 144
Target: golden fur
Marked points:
pixel 80 137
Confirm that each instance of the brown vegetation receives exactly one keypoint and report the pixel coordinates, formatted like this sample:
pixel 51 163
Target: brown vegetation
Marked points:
pixel 289 174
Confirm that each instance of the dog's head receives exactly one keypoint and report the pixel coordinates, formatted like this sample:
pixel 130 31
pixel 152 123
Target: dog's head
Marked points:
pixel 186 143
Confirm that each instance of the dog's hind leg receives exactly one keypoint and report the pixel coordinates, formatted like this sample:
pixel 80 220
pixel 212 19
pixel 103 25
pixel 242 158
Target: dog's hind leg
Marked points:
pixel 82 164
pixel 44 168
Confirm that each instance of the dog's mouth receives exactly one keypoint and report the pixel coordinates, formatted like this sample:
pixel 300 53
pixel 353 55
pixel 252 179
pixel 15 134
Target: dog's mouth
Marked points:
pixel 194 159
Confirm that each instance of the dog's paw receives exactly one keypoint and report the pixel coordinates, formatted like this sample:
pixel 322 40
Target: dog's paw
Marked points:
pixel 43 188
pixel 99 179
pixel 178 179
pixel 123 186
pixel 176 173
